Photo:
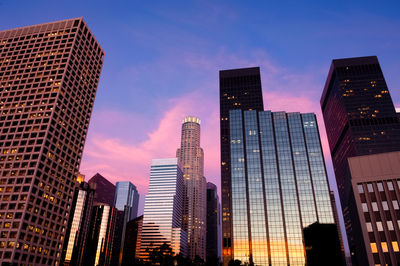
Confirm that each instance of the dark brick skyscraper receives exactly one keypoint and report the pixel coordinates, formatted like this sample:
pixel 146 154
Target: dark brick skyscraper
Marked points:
pixel 48 81
pixel 239 89
pixel 360 119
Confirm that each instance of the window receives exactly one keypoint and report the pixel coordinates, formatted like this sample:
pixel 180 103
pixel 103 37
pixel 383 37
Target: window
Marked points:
pixel 384 247
pixel 385 205
pixel 365 207
pixel 373 248
pixel 395 246
pixel 369 227
pixel 379 226
pixel 395 204
pixel 360 188
pixel 380 186
pixel 370 187
pixel 390 185
pixel 374 206
pixel 390 225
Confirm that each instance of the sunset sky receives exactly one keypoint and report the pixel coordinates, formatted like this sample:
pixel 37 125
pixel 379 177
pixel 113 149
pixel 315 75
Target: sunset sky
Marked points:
pixel 163 57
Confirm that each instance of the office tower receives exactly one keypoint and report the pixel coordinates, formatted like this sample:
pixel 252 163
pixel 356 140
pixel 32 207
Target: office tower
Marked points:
pixel 279 185
pixel 101 235
pixel 127 199
pixel 213 223
pixel 239 89
pixel 323 245
pixel 104 189
pixel 360 119
pixel 49 75
pixel 162 219
pixel 132 241
pixel 75 243
pixel 375 181
pixel 126 204
pixel 191 157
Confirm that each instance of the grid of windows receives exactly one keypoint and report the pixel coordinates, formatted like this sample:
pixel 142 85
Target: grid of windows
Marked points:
pixel 48 80
pixel 279 185
pixel 379 204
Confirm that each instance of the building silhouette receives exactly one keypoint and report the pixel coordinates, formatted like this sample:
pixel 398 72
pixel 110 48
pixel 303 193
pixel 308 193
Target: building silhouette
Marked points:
pixel 191 158
pixel 239 89
pixel 213 223
pixel 49 76
pixel 360 119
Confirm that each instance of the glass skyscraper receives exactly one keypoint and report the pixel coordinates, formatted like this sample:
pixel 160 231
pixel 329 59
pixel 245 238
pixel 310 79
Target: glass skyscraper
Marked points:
pixel 239 89
pixel 126 194
pixel 162 219
pixel 279 185
pixel 126 203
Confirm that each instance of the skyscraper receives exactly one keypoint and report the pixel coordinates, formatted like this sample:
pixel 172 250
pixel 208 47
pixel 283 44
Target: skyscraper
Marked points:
pixel 239 89
pixel 49 75
pixel 126 203
pixel 279 185
pixel 360 119
pixel 191 157
pixel 104 189
pixel 127 195
pixel 163 208
pixel 376 186
pixel 213 223
pixel 75 244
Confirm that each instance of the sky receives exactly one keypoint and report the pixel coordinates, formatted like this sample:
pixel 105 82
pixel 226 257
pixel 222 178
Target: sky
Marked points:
pixel 163 57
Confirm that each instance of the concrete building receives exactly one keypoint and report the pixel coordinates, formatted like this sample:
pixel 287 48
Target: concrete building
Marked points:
pixel 191 157
pixel 375 182
pixel 48 80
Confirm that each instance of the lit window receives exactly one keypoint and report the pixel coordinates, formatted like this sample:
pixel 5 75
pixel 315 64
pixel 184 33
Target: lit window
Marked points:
pixel 384 247
pixel 390 225
pixel 365 207
pixel 379 226
pixel 374 206
pixel 380 186
pixel 390 185
pixel 360 188
pixel 370 187
pixel 395 246
pixel 373 248
pixel 385 205
pixel 369 227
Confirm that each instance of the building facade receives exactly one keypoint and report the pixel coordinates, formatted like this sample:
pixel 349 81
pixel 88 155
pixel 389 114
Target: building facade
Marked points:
pixel 191 158
pixel 279 185
pixel 101 234
pixel 132 241
pixel 213 223
pixel 104 189
pixel 163 209
pixel 75 244
pixel 376 184
pixel 239 89
pixel 360 119
pixel 126 203
pixel 48 80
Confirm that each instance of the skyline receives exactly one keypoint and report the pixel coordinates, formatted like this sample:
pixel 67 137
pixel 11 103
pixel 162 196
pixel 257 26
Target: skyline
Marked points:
pixel 126 90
